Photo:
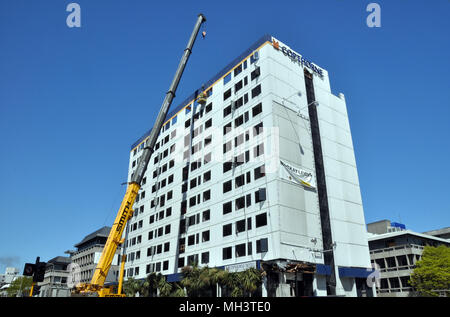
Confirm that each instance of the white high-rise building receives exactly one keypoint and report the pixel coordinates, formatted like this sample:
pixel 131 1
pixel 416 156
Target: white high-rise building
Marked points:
pixel 262 175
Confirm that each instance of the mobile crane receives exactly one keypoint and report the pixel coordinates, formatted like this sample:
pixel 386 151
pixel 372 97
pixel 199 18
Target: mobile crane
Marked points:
pixel 96 286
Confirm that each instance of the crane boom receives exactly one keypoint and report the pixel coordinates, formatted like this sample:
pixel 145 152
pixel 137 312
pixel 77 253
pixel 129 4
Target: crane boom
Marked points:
pixel 126 208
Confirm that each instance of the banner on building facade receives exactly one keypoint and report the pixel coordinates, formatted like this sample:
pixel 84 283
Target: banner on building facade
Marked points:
pixel 296 175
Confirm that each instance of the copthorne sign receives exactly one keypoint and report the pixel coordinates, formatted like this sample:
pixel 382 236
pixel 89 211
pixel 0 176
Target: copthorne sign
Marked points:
pixel 297 58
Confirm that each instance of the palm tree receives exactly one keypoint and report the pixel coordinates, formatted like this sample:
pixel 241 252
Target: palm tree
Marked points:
pixel 131 286
pixel 179 291
pixel 250 280
pixel 151 283
pixel 164 287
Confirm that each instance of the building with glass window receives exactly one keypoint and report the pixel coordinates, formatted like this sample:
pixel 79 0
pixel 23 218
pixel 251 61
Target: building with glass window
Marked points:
pixel 261 175
pixel 395 251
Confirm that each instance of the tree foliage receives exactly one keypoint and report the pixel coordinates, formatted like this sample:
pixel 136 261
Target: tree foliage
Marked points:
pixel 432 271
pixel 20 286
pixel 202 281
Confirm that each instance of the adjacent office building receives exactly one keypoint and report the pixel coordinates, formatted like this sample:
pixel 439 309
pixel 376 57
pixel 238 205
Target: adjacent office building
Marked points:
pixel 88 254
pixel 261 175
pixel 55 278
pixel 395 251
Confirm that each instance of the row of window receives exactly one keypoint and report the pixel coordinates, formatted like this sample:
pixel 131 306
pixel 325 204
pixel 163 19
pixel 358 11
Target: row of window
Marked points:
pixel 244 201
pixel 160 215
pixel 244 249
pixel 243 179
pixel 194 200
pixel 240 226
pixel 164 230
pixel 193 239
pixel 194 220
pixel 202 111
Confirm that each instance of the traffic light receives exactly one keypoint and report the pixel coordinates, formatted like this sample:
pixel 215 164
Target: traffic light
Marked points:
pixel 40 272
pixel 29 269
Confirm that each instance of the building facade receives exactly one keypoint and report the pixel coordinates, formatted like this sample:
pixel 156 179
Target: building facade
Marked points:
pixel 88 255
pixel 55 278
pixel 261 175
pixel 395 251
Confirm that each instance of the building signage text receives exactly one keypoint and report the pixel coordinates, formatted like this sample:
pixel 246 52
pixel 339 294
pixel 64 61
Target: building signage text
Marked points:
pixel 297 58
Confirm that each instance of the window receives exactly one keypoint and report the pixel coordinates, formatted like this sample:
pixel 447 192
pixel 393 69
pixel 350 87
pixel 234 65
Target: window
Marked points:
pixel 208 108
pixel 238 103
pixel 248 199
pixel 227 166
pixel 239 140
pixel 238 86
pixel 205 236
pixel 168 211
pixel 207 158
pixel 205 258
pixel 227 94
pixel 240 226
pixel 237 70
pixel 259 172
pixel 257 129
pixel 262 245
pixel 206 215
pixel 226 253
pixel 193 183
pixel 208 124
pixel 260 195
pixel 238 121
pixel 226 111
pixel 207 195
pixel 239 160
pixel 180 262
pixel 261 220
pixel 256 91
pixel 227 147
pixel 208 140
pixel 207 176
pixel 255 73
pixel 227 186
pixel 193 259
pixel 191 240
pixel 227 230
pixel 258 150
pixel 227 207
pixel 165 265
pixel 249 223
pixel 239 181
pixel 226 128
pixel 192 201
pixel 240 203
pixel 167 229
pixel 240 250
pixel 257 109
pixel 166 246
pixel 249 248
pixel 226 79
pixel 254 57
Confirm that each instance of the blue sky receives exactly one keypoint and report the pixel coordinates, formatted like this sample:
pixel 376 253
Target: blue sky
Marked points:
pixel 73 100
